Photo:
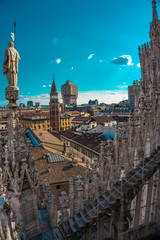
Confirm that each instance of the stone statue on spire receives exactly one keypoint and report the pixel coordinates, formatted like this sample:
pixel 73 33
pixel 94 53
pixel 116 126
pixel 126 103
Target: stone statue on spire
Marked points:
pixel 10 65
pixel 10 68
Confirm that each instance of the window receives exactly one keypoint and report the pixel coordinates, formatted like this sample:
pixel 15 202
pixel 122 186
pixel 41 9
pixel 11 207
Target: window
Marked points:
pixel 58 187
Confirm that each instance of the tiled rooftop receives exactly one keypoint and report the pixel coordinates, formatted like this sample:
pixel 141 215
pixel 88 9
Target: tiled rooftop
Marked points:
pixel 90 140
pixel 54 172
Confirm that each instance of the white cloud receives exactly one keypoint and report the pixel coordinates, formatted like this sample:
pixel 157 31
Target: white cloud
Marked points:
pixel 44 85
pixel 49 85
pixel 91 55
pixel 129 60
pixel 58 60
pixel 72 68
pixel 125 60
pixel 138 65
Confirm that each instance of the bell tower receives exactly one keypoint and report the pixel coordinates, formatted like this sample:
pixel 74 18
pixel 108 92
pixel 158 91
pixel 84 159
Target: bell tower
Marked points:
pixel 54 108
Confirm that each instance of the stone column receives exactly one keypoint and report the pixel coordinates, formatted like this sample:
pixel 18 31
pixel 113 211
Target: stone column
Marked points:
pixel 148 202
pixel 147 150
pixel 115 224
pixel 87 180
pixel 79 201
pixel 102 163
pixel 157 214
pixel 100 228
pixel 137 210
pixel 87 234
pixel 95 180
pixel 71 195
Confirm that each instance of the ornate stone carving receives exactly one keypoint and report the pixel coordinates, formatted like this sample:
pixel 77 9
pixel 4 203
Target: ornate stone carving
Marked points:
pixel 64 205
pixel 79 197
pixel 12 94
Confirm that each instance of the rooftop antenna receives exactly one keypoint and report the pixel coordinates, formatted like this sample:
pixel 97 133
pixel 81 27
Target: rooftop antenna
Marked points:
pixel 13 35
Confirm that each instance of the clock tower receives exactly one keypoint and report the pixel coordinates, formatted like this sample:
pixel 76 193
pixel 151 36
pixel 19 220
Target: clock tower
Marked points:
pixel 54 109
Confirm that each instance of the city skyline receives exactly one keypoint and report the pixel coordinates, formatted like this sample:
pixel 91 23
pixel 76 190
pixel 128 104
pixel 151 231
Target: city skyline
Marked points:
pixel 76 42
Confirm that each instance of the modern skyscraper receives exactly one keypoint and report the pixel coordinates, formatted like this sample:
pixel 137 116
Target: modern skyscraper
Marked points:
pixel 69 93
pixel 54 109
pixel 29 104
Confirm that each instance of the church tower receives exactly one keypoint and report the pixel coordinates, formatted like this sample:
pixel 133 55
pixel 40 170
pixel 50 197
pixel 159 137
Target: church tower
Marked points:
pixel 54 109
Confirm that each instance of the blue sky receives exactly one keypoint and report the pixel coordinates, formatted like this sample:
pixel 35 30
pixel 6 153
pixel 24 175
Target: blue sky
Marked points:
pixel 81 40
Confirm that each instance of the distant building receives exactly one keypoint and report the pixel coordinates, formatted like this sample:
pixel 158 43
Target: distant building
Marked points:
pixel 93 102
pixel 29 104
pixel 54 109
pixel 131 95
pixel 98 124
pixel 66 119
pixel 22 105
pixel 65 122
pixel 37 105
pixel 85 146
pixel 36 120
pixel 69 93
pixel 123 102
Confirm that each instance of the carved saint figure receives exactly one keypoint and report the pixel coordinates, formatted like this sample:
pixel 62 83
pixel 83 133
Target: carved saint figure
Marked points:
pixel 10 65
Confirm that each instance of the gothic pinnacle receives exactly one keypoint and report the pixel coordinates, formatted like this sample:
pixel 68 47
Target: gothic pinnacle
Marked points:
pixel 155 14
pixel 54 89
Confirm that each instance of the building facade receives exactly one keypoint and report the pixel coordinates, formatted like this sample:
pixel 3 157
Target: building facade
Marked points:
pixel 54 109
pixel 65 122
pixel 69 93
pixel 36 120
